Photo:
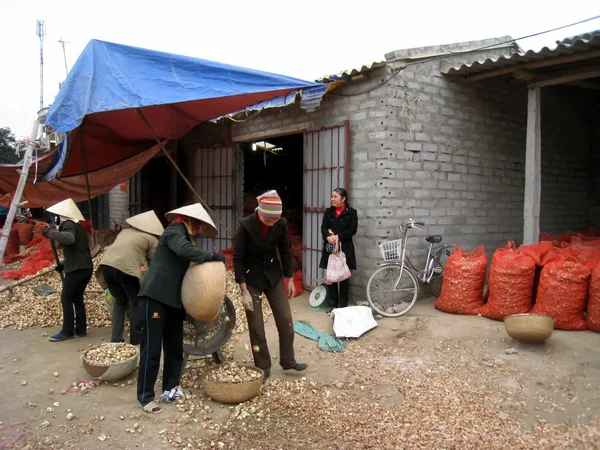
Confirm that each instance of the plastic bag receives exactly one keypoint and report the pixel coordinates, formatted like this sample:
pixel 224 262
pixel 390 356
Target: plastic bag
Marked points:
pixel 464 277
pixel 337 269
pixel 562 292
pixel 510 284
pixel 592 319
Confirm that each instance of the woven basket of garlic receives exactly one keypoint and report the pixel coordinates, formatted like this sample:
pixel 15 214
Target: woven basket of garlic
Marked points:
pixel 232 383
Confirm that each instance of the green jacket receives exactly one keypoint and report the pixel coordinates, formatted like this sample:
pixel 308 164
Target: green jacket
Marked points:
pixel 170 263
pixel 76 246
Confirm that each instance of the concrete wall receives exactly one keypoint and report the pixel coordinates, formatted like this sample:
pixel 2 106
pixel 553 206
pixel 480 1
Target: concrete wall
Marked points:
pixel 119 206
pixel 422 146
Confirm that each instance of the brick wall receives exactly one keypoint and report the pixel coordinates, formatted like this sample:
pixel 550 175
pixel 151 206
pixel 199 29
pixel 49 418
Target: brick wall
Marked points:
pixel 437 149
pixel 119 206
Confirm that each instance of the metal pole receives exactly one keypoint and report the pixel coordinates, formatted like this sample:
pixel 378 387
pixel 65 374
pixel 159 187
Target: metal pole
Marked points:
pixel 16 202
pixel 84 155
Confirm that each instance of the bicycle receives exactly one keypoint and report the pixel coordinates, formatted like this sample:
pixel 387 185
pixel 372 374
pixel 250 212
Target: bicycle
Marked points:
pixel 392 290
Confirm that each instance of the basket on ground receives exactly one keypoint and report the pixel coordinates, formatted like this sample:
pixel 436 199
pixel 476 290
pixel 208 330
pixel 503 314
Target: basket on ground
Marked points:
pixel 529 328
pixel 390 250
pixel 113 371
pixel 231 392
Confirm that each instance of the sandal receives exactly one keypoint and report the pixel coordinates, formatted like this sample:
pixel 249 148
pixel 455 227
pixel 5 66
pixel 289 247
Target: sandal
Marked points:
pixel 152 408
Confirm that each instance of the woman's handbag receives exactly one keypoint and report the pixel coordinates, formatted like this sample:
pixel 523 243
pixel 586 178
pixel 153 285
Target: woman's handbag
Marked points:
pixel 337 269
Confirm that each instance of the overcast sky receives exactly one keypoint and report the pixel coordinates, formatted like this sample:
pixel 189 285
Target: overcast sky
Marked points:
pixel 305 39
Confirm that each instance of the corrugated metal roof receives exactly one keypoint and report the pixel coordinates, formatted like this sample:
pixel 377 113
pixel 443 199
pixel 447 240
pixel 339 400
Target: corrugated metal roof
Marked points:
pixel 576 44
pixel 348 74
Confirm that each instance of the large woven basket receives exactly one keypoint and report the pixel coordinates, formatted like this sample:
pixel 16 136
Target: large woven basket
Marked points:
pixel 529 328
pixel 113 372
pixel 231 392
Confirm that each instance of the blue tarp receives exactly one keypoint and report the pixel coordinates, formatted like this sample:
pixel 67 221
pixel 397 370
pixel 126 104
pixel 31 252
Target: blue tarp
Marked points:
pixel 110 77
pixel 175 93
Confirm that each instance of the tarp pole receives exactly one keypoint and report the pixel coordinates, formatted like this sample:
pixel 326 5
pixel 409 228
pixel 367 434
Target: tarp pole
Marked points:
pixel 84 155
pixel 16 201
pixel 162 146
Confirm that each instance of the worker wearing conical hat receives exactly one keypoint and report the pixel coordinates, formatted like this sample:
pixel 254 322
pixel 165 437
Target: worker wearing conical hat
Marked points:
pixel 258 270
pixel 77 267
pixel 160 302
pixel 121 271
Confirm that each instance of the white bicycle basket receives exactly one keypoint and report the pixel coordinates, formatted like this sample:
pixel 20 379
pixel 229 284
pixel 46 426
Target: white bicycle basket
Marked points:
pixel 390 250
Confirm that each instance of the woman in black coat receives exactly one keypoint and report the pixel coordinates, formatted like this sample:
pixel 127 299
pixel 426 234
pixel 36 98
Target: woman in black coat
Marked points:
pixel 342 220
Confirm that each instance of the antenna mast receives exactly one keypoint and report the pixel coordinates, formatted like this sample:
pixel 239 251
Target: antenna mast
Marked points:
pixel 62 43
pixel 41 33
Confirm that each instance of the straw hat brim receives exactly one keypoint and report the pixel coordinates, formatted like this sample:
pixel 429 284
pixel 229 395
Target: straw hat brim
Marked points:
pixel 195 211
pixel 67 208
pixel 147 222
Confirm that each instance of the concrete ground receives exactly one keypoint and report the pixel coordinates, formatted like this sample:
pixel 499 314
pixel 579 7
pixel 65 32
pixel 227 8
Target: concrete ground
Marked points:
pixel 564 372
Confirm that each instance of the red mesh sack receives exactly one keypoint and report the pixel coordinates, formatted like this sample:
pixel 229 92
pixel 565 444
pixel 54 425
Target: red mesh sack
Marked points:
pixel 13 248
pixel 297 283
pixel 41 258
pixel 37 234
pixel 510 285
pixel 592 319
pixel 296 248
pixel 537 251
pixel 464 277
pixel 25 232
pixel 563 291
pixel 228 257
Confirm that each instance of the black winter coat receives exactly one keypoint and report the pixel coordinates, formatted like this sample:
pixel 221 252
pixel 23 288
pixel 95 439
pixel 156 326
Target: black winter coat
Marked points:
pixel 255 258
pixel 169 265
pixel 344 227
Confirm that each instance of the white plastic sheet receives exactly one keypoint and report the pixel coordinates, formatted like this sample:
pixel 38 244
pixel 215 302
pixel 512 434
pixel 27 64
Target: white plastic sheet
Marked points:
pixel 352 321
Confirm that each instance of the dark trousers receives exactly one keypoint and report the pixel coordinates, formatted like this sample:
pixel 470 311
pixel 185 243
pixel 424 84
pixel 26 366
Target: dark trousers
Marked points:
pixel 282 314
pixel 124 288
pixel 338 294
pixel 162 326
pixel 72 296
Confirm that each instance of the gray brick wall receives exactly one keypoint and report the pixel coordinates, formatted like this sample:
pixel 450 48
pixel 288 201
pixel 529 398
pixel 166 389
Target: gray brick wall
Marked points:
pixel 119 206
pixel 446 152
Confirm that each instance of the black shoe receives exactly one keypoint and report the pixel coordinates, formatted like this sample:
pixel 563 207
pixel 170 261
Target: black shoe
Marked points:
pixel 299 367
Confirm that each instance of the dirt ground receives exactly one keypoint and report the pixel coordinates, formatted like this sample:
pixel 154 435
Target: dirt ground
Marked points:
pixel 554 383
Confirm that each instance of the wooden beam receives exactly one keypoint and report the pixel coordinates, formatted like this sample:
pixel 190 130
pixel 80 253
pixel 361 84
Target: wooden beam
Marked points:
pixel 533 171
pixel 534 65
pixel 586 85
pixel 524 75
pixel 568 77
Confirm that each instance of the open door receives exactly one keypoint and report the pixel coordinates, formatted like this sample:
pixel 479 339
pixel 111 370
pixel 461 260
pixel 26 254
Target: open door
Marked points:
pixel 214 180
pixel 326 167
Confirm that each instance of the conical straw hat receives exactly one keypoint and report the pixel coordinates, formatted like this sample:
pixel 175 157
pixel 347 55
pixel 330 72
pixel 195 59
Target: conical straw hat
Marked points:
pixel 67 208
pixel 195 211
pixel 147 222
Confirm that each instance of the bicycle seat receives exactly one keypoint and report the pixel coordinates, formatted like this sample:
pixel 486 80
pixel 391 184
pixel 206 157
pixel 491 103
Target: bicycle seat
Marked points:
pixel 434 239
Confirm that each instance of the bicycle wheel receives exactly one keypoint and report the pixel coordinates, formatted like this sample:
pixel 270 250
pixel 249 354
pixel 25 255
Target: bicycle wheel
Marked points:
pixel 391 293
pixel 439 262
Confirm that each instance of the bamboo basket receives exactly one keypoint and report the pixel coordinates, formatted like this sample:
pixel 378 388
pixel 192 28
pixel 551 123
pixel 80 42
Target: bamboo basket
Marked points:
pixel 232 392
pixel 529 328
pixel 203 290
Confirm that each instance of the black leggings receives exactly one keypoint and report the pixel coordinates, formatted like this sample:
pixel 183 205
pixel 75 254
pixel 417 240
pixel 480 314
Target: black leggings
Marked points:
pixel 338 299
pixel 72 295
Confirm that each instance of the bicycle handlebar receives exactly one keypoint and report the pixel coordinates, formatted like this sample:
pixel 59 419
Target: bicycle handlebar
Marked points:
pixel 410 223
